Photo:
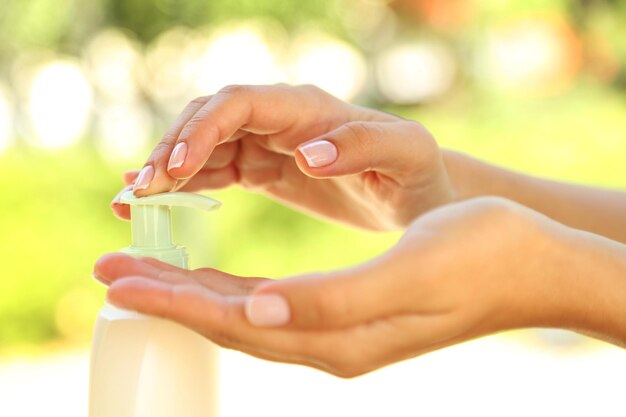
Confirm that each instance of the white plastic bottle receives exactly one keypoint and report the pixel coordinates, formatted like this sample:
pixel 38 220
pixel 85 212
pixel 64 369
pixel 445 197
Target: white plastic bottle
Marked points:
pixel 143 366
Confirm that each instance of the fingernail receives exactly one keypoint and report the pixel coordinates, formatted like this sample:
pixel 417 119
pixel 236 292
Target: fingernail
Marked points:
pixel 97 277
pixel 118 197
pixel 319 153
pixel 143 179
pixel 267 310
pixel 177 159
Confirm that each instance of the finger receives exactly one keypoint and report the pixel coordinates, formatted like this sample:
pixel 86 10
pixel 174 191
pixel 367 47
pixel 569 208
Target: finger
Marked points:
pixel 212 179
pixel 254 167
pixel 219 318
pixel 334 300
pixel 129 177
pixel 397 149
pixel 213 279
pixel 113 266
pixel 261 110
pixel 222 155
pixel 154 177
pixel 218 172
pixel 259 167
pixel 121 211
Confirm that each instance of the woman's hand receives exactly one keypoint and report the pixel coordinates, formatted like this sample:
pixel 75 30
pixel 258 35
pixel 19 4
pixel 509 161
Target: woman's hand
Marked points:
pixel 305 148
pixel 460 272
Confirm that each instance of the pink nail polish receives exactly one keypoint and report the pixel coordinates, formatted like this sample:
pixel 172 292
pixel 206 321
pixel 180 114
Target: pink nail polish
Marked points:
pixel 144 178
pixel 118 197
pixel 116 200
pixel 319 153
pixel 267 310
pixel 177 158
pixel 98 278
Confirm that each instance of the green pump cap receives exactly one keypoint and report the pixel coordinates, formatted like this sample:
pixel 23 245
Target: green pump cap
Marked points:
pixel 151 223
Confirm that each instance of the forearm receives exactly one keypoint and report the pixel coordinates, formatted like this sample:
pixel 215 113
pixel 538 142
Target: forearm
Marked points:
pixel 587 290
pixel 599 211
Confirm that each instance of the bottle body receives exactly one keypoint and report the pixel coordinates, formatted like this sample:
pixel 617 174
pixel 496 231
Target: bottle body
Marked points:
pixel 144 366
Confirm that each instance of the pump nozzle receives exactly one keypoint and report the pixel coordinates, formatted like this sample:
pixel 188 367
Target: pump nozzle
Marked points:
pixel 151 223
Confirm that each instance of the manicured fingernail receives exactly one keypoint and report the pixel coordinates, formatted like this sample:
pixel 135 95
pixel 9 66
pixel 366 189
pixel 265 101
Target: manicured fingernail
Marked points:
pixel 143 179
pixel 267 310
pixel 177 159
pixel 118 197
pixel 319 153
pixel 97 277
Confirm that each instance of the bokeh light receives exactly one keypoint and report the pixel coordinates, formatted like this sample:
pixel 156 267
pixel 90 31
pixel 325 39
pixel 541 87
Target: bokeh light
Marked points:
pixel 328 63
pixel 123 131
pixel 370 23
pixel 447 15
pixel 114 61
pixel 59 104
pixel 416 72
pixel 171 68
pixel 229 55
pixel 534 54
pixel 6 120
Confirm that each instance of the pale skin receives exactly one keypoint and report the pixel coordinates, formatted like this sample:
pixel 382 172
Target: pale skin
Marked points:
pixel 484 249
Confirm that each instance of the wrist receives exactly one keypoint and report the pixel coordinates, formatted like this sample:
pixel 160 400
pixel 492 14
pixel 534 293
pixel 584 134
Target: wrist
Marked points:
pixel 470 177
pixel 583 287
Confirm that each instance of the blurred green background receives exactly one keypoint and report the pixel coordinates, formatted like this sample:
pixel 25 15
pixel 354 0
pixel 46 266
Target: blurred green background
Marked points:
pixel 86 88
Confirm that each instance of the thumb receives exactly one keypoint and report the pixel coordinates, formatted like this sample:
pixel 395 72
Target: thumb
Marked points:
pixel 392 148
pixel 332 300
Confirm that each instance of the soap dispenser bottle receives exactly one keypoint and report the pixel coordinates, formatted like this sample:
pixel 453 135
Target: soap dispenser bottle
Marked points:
pixel 144 366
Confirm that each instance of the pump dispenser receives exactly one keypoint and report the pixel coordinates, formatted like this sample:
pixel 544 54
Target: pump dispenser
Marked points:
pixel 143 366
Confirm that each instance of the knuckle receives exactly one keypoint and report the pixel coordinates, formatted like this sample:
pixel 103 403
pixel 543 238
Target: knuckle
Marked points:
pixel 421 151
pixel 312 89
pixel 234 90
pixel 417 128
pixel 425 144
pixel 204 271
pixel 161 149
pixel 197 118
pixel 168 138
pixel 199 100
pixel 318 98
pixel 498 207
pixel 504 214
pixel 355 129
pixel 352 132
pixel 363 138
pixel 363 132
